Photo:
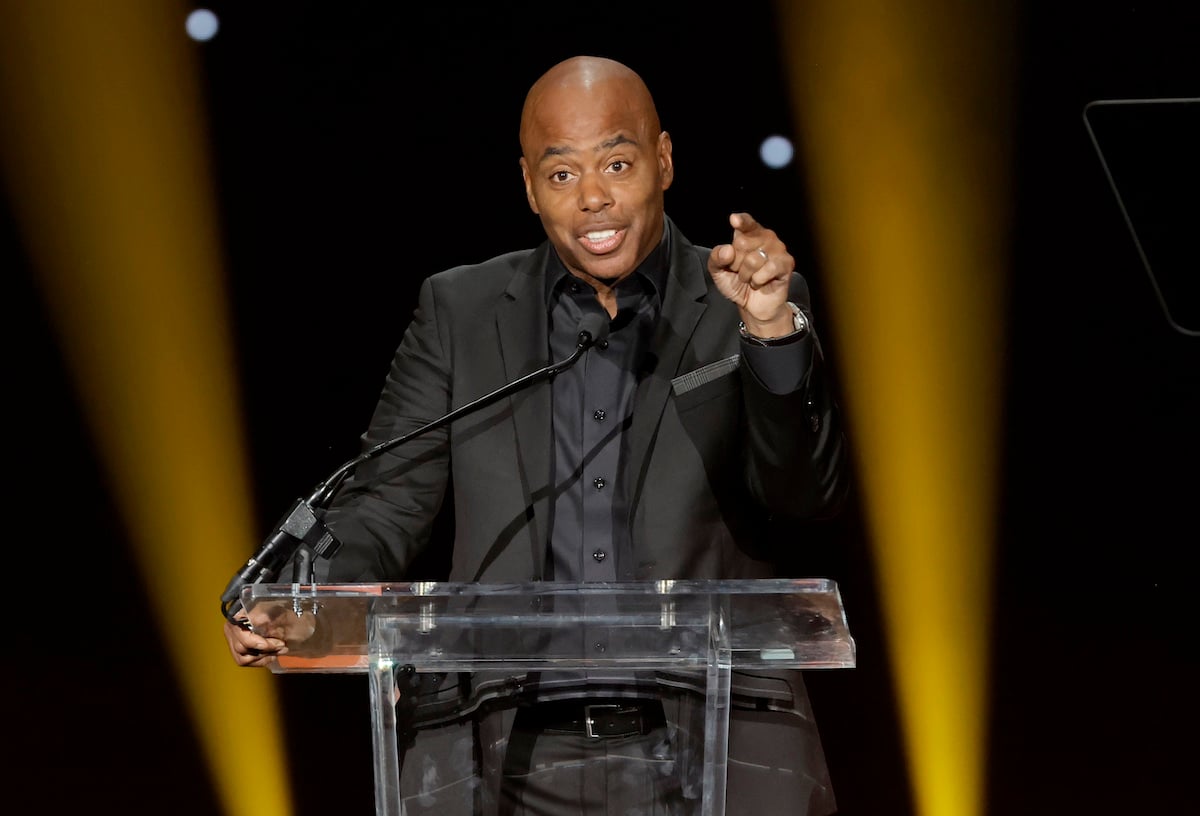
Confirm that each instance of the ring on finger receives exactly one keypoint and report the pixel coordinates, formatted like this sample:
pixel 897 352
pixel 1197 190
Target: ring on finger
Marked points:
pixel 763 252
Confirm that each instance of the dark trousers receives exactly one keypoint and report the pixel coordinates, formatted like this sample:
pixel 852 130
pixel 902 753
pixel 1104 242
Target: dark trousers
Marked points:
pixel 548 773
pixel 498 766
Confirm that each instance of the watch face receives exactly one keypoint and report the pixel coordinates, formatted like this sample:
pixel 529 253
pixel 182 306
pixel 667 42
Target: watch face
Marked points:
pixel 799 319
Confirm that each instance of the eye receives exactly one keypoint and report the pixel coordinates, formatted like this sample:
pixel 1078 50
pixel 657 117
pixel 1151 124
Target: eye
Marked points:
pixel 619 166
pixel 560 176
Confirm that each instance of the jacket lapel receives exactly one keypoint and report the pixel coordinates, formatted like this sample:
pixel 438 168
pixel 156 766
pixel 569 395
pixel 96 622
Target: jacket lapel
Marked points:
pixel 524 346
pixel 683 305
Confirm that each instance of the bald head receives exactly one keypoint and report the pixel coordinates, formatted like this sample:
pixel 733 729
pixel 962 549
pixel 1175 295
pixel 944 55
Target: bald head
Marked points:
pixel 596 163
pixel 581 83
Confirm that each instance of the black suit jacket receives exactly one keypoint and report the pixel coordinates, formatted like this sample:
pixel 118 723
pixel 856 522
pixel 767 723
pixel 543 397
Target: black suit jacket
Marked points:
pixel 712 454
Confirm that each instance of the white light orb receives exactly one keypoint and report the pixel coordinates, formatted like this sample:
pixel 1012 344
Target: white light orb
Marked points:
pixel 202 25
pixel 776 151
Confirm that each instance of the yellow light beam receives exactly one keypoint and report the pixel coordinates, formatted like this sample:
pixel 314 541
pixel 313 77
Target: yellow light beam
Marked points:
pixel 104 150
pixel 903 114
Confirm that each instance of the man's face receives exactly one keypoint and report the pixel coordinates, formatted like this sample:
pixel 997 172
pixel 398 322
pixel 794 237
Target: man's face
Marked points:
pixel 595 167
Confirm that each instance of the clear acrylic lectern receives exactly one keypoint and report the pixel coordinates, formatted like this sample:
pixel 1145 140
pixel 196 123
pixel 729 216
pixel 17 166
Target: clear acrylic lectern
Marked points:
pixel 439 654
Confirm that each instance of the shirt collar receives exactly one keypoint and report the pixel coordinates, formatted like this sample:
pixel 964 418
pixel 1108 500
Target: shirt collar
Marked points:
pixel 651 273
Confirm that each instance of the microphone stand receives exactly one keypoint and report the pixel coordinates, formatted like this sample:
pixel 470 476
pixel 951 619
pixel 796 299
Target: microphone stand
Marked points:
pixel 302 527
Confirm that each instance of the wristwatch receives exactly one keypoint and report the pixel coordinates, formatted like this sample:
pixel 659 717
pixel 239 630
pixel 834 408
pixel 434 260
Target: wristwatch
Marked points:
pixel 800 327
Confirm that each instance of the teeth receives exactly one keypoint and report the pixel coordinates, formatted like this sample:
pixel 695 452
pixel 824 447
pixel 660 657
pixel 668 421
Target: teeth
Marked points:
pixel 601 235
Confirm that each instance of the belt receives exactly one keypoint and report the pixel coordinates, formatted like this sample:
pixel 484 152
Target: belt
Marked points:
pixel 596 719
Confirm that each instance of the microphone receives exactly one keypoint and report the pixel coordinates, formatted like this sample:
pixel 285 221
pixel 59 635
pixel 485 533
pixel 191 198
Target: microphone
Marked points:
pixel 593 330
pixel 302 528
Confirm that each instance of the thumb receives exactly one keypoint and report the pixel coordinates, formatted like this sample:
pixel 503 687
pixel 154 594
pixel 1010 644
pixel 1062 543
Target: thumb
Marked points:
pixel 721 257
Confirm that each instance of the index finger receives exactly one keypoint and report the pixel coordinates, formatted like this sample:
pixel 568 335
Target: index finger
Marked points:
pixel 743 222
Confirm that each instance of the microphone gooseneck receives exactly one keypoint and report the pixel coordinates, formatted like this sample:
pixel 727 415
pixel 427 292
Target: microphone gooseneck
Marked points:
pixel 303 528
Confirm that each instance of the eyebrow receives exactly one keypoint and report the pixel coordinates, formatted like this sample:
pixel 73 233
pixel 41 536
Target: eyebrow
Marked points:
pixel 607 144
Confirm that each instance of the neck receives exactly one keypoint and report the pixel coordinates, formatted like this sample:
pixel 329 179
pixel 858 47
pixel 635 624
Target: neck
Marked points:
pixel 606 292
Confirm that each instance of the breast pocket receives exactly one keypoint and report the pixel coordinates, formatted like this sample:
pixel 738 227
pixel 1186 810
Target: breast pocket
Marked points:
pixel 706 383
pixel 707 404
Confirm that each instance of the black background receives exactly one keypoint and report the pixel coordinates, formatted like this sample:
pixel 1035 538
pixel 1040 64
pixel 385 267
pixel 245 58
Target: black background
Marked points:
pixel 360 147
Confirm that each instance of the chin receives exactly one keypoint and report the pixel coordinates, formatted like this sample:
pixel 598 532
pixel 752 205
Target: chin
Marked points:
pixel 609 273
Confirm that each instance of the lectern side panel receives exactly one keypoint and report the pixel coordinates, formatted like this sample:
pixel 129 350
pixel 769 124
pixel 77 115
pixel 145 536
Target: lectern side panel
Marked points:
pixel 488 764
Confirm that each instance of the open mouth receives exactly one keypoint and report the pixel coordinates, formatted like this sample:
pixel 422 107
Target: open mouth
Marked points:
pixel 599 242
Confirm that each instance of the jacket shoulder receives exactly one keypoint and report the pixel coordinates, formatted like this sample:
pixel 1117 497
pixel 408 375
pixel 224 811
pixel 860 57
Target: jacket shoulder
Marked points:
pixel 495 271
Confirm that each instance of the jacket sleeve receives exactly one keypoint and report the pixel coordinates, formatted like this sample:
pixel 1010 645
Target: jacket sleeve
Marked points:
pixel 384 513
pixel 795 452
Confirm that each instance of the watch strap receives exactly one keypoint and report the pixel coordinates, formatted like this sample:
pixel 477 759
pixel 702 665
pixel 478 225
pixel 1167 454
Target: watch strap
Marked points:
pixel 800 327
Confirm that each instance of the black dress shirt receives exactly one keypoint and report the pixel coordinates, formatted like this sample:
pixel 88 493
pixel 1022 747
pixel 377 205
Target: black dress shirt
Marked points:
pixel 592 411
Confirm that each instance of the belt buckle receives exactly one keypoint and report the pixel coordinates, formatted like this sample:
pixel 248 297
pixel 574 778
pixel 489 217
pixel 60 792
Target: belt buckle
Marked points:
pixel 588 722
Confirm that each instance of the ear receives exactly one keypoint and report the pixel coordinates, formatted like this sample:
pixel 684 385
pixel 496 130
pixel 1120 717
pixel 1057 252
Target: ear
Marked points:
pixel 528 187
pixel 666 165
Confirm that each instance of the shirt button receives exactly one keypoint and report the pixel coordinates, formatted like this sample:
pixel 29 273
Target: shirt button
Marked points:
pixel 599 555
pixel 602 345
pixel 599 415
pixel 574 286
pixel 599 482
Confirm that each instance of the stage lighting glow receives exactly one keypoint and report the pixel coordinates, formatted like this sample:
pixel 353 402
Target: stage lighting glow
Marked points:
pixel 105 160
pixel 202 25
pixel 905 153
pixel 776 151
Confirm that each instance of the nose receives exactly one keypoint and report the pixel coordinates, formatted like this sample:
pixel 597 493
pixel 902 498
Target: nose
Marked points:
pixel 593 193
